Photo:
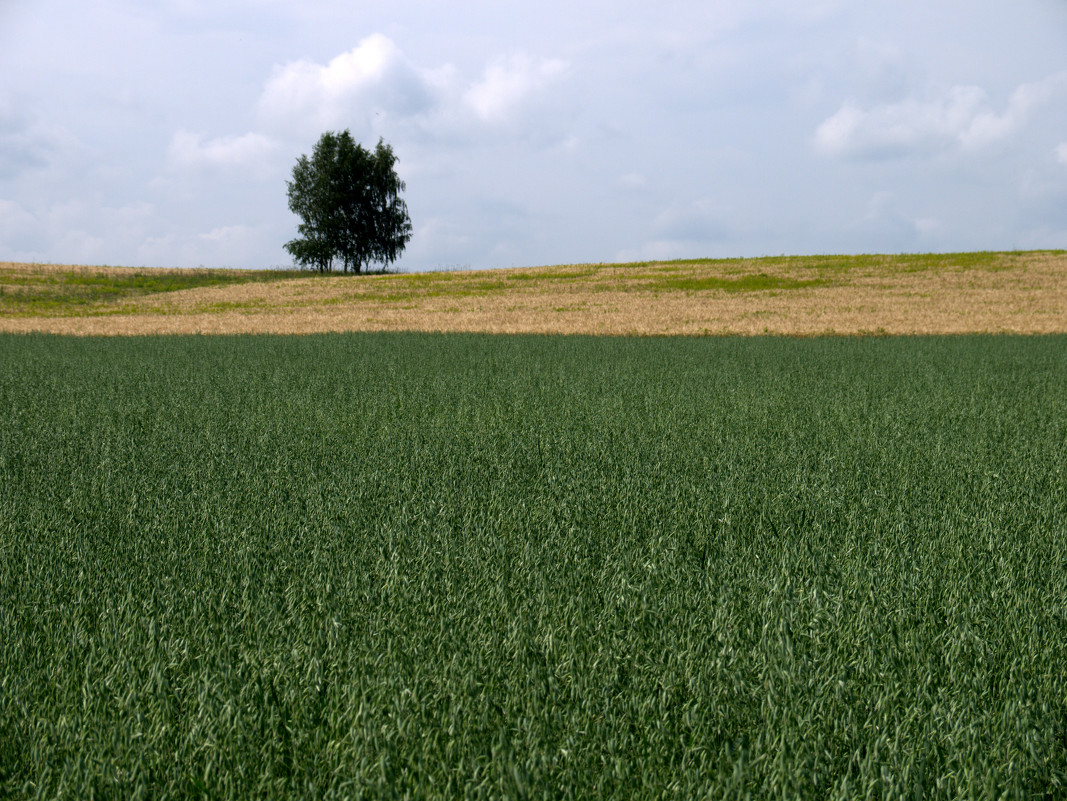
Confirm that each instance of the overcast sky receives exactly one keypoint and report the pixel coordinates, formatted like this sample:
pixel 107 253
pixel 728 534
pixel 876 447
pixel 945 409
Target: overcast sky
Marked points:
pixel 162 133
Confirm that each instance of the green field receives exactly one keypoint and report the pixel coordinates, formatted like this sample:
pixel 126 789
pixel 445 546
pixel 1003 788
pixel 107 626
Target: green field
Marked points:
pixel 421 566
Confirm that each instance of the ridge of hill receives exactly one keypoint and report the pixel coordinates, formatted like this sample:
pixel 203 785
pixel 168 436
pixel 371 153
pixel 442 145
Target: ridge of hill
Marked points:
pixel 979 292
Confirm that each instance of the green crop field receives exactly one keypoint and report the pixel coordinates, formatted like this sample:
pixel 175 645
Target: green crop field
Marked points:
pixel 432 566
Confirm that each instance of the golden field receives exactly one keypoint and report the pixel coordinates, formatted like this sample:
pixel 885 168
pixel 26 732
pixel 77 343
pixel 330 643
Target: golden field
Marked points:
pixel 1016 292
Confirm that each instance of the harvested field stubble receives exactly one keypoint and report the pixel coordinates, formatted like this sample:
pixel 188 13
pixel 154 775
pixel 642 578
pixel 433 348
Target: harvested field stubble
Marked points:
pixel 916 294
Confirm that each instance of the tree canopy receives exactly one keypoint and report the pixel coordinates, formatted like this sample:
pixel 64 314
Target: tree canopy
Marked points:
pixel 348 199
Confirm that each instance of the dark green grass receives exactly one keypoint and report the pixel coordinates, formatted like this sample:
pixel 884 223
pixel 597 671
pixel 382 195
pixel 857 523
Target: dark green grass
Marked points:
pixel 383 566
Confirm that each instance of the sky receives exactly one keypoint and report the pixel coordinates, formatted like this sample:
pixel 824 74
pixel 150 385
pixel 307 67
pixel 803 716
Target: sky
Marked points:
pixel 163 133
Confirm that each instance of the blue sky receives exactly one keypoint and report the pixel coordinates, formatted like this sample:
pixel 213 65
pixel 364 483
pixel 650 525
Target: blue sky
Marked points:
pixel 162 134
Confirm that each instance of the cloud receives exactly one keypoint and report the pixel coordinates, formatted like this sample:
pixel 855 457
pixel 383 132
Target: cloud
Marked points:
pixel 959 117
pixel 27 144
pixel 682 230
pixel 16 225
pixel 508 83
pixel 371 79
pixel 699 221
pixel 236 245
pixel 655 250
pixel 885 226
pixel 227 233
pixel 229 244
pixel 441 242
pixel 988 127
pixel 251 151
pixel 901 128
pixel 882 72
pixel 1061 154
pixel 73 231
pixel 375 86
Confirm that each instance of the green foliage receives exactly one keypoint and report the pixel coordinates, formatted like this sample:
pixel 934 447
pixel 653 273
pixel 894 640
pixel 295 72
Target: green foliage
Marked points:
pixel 386 566
pixel 348 199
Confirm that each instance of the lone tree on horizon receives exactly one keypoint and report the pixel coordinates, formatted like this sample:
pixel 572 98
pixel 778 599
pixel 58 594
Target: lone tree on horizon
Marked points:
pixel 349 200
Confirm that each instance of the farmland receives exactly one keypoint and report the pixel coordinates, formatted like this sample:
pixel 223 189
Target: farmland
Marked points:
pixel 387 565
pixel 933 293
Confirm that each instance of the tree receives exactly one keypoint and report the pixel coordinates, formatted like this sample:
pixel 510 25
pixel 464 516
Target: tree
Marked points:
pixel 349 201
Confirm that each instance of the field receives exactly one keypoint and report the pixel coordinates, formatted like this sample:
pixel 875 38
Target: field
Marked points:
pixel 402 565
pixel 1020 292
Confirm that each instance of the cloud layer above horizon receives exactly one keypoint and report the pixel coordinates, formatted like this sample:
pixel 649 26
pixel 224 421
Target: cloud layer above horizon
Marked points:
pixel 610 131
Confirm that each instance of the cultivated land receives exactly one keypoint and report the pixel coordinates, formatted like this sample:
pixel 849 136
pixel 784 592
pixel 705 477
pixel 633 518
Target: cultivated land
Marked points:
pixel 402 564
pixel 1022 292
pixel 466 566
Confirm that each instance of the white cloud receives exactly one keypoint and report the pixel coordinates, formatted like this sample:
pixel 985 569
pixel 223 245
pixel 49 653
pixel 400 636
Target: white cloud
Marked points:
pixel 910 126
pixel 373 78
pixel 988 127
pixel 958 117
pixel 1061 154
pixel 374 86
pixel 508 82
pixel 249 152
